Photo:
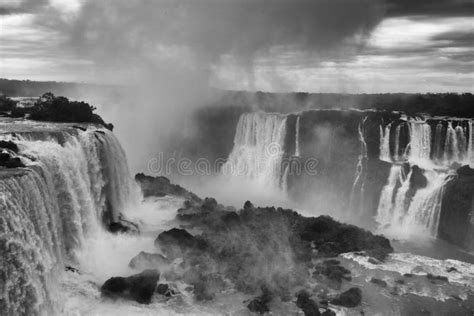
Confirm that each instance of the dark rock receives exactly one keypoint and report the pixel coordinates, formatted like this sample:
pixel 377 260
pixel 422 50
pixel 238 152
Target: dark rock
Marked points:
pixel 332 271
pixel 124 226
pixel 161 186
pixel 328 312
pixel 80 128
pixel 145 260
pixel 434 278
pixel 455 224
pixel 408 275
pixel 248 205
pixel 349 298
pixel 6 144
pixel 309 307
pixel 164 289
pixel 332 238
pixel 10 162
pixel 400 281
pixel 139 287
pixel 175 242
pixel 259 304
pixel 378 282
pixel 452 269
pixel 71 269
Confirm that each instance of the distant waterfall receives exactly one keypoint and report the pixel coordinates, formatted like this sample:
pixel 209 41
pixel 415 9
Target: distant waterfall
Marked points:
pixel 471 145
pixel 50 208
pixel 297 137
pixel 420 141
pixel 400 215
pixel 396 154
pixel 358 187
pixel 438 145
pixel 258 149
pixel 385 143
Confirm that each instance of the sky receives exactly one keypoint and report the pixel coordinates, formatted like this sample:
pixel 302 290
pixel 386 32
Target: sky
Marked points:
pixel 351 46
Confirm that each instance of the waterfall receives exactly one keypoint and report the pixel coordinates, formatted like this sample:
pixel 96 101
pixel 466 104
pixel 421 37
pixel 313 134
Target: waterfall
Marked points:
pixel 297 137
pixel 385 143
pixel 420 141
pixel 358 187
pixel 425 208
pixel 386 201
pixel 258 149
pixel 396 154
pixel 451 149
pixel 50 208
pixel 438 145
pixel 470 145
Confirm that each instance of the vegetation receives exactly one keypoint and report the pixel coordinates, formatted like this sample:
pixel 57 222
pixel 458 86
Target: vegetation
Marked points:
pixel 55 109
pixel 6 104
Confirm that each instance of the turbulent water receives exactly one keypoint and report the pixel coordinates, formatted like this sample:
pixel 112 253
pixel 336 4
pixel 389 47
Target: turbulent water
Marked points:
pixel 258 149
pixel 402 215
pixel 52 208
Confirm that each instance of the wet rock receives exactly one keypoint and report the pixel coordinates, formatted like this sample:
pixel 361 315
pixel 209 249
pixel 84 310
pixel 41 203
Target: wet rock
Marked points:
pixel 259 304
pixel 332 238
pixel 80 128
pixel 349 298
pixel 71 269
pixel 378 282
pixel 434 278
pixel 139 287
pixel 123 226
pixel 332 271
pixel 7 144
pixel 145 260
pixel 309 307
pixel 175 242
pixel 328 312
pixel 10 162
pixel 164 289
pixel 400 281
pixel 161 186
pixel 452 269
pixel 408 275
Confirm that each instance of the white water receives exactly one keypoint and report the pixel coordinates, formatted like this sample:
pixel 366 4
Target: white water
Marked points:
pixel 51 210
pixel 258 149
pixel 385 143
pixel 420 141
pixel 358 186
pixel 297 137
pixel 471 145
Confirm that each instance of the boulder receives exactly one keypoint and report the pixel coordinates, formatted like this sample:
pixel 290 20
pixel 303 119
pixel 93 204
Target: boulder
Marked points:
pixel 259 304
pixel 145 260
pixel 123 226
pixel 10 162
pixel 161 186
pixel 309 307
pixel 378 282
pixel 176 242
pixel 139 287
pixel 332 271
pixel 7 144
pixel 349 298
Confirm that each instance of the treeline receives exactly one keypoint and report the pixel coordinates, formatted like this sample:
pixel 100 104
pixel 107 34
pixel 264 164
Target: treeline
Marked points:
pixel 51 108
pixel 435 104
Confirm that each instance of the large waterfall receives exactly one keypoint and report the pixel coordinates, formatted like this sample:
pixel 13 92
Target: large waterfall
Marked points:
pixel 73 181
pixel 258 149
pixel 433 147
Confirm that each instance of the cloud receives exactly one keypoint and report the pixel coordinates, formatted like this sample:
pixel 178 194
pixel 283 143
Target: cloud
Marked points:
pixel 8 7
pixel 439 8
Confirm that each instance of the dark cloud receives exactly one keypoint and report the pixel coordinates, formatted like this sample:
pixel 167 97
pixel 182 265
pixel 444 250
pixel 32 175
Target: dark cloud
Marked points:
pixel 23 6
pixel 444 8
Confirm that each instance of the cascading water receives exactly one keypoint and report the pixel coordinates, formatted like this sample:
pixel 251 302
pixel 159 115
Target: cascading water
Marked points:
pixel 297 136
pixel 470 145
pixel 420 141
pixel 385 143
pixel 50 208
pixel 358 186
pixel 258 149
